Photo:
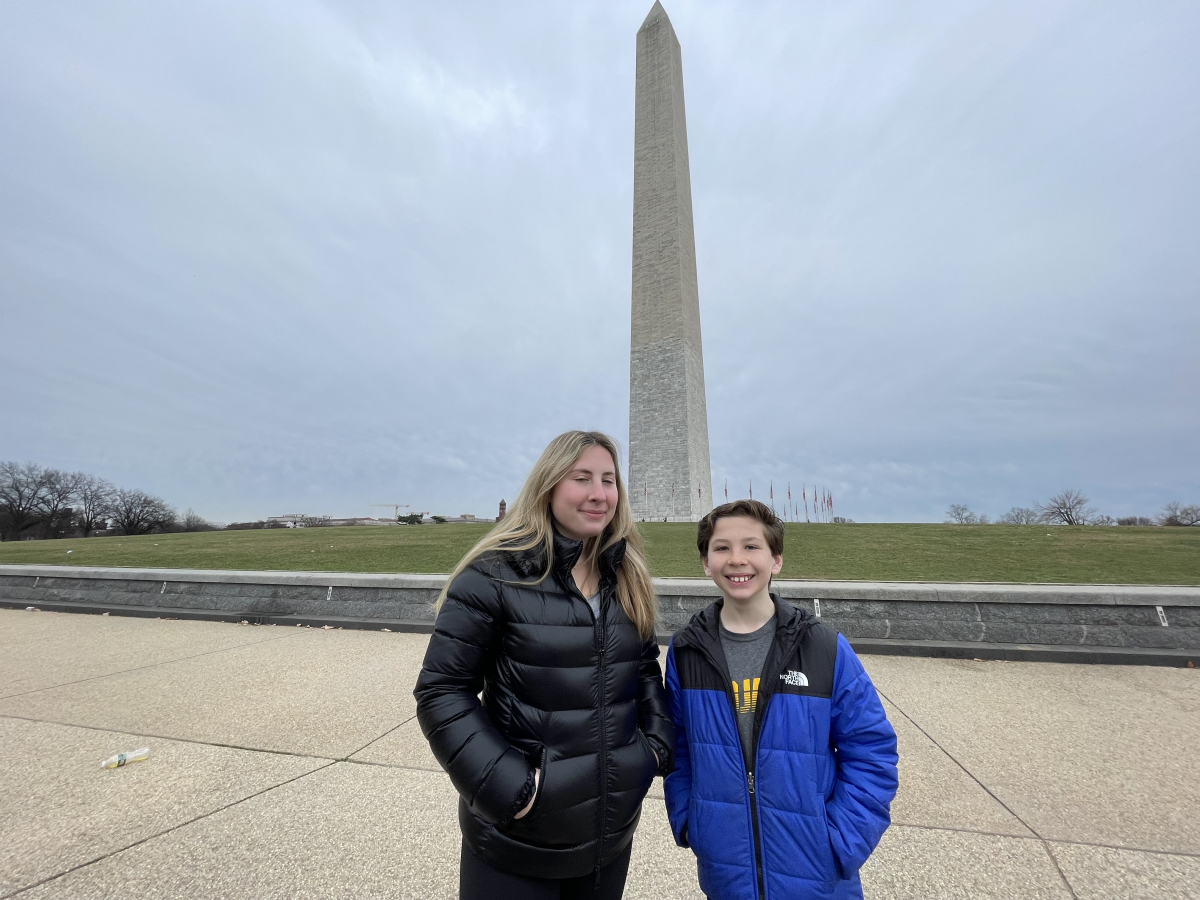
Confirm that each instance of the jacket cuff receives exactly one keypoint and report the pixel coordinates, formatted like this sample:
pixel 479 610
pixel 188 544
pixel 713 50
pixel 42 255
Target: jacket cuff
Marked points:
pixel 524 795
pixel 666 758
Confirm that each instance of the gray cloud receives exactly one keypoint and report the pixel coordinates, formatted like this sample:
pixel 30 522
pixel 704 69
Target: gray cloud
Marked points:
pixel 308 257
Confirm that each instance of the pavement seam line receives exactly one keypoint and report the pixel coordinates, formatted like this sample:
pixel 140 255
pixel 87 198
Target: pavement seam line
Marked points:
pixel 163 737
pixel 383 765
pixel 971 775
pixel 1058 868
pixel 1029 837
pixel 346 758
pixel 148 666
pixel 164 832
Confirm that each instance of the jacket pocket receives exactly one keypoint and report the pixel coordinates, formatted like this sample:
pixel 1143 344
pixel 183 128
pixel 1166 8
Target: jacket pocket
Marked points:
pixel 650 755
pixel 538 793
pixel 564 810
pixel 831 869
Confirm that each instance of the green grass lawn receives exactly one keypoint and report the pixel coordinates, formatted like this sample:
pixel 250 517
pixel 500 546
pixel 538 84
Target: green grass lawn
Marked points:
pixel 865 552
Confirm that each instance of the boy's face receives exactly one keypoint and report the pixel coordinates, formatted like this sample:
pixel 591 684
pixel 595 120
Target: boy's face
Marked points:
pixel 739 560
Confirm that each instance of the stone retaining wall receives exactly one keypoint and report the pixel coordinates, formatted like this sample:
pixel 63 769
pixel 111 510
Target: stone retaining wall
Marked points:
pixel 939 619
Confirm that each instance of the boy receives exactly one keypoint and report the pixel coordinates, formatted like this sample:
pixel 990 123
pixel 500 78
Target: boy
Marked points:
pixel 785 763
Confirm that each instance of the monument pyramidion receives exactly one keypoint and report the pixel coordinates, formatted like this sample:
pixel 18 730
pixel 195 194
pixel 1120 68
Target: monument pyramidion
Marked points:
pixel 669 475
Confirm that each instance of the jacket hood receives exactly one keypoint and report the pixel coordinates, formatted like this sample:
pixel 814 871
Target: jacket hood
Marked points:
pixel 704 629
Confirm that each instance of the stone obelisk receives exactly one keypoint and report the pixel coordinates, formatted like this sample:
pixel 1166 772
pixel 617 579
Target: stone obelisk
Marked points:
pixel 669 475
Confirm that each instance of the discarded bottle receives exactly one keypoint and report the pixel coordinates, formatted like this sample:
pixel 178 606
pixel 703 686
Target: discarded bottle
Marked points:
pixel 122 758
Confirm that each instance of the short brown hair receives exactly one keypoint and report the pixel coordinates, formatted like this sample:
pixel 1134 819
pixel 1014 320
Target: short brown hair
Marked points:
pixel 751 509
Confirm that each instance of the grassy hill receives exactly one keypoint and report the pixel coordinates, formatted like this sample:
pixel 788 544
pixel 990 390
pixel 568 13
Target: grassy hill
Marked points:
pixel 866 552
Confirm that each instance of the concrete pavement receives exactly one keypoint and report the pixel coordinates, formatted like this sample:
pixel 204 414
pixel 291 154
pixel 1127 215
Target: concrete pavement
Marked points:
pixel 286 763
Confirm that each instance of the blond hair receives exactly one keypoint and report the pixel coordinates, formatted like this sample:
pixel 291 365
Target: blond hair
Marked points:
pixel 528 524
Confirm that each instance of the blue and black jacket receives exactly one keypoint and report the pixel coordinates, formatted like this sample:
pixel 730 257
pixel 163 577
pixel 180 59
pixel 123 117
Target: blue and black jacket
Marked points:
pixel 799 818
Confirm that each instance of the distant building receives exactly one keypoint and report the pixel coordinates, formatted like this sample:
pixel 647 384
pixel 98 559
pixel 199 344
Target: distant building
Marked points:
pixel 290 520
pixel 503 510
pixel 300 520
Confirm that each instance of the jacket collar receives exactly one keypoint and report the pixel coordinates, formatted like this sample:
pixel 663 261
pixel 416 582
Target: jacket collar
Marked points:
pixel 704 630
pixel 566 555
pixel 567 551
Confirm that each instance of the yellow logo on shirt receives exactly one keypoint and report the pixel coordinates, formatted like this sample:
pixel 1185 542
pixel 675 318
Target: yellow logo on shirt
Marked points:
pixel 745 700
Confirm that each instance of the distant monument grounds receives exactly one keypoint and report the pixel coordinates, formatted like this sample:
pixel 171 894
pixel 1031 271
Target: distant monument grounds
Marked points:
pixel 989 592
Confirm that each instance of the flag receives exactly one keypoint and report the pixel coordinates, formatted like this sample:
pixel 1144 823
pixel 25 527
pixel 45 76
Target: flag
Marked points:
pixel 751 488
pixel 726 490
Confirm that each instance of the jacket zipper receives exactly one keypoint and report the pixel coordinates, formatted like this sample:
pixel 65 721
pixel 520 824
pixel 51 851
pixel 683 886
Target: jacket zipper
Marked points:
pixel 758 870
pixel 759 716
pixel 724 671
pixel 765 692
pixel 601 642
pixel 602 638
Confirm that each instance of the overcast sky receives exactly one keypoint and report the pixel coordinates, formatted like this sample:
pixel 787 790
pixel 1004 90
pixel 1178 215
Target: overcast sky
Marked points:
pixel 261 258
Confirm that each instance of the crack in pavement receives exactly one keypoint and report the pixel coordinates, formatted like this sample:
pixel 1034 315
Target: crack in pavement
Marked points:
pixel 1045 844
pixel 329 762
pixel 165 831
pixel 147 666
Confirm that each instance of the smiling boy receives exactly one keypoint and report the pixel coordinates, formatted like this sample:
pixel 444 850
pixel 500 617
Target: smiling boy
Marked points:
pixel 785 763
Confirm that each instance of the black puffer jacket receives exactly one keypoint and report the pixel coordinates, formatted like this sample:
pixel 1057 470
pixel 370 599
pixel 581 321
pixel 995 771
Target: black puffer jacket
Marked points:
pixel 577 695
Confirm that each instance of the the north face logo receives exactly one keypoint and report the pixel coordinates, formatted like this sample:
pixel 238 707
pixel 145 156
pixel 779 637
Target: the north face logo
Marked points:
pixel 794 678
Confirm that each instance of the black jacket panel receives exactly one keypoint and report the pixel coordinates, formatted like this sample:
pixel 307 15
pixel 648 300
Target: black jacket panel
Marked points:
pixel 519 676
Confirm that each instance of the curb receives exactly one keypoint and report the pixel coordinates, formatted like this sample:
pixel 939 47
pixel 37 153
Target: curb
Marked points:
pixel 1126 656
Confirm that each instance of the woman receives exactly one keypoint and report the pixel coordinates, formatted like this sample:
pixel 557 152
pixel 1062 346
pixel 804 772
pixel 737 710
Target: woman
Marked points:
pixel 541 693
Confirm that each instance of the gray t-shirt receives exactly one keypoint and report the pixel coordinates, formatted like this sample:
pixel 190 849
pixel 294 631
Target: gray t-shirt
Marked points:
pixel 594 603
pixel 746 654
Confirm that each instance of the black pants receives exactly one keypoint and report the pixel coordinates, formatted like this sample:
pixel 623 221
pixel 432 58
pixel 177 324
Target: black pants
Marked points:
pixel 478 880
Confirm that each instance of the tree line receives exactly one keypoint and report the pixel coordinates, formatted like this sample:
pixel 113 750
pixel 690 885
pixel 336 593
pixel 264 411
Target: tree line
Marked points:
pixel 41 503
pixel 1070 507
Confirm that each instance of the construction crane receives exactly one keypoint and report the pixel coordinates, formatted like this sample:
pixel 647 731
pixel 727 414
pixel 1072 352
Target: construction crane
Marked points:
pixel 395 507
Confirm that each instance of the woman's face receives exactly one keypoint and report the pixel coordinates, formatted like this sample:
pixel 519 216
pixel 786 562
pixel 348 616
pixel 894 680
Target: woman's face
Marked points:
pixel 585 500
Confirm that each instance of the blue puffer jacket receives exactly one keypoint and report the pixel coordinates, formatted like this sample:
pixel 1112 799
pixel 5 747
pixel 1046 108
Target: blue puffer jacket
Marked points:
pixel 802 819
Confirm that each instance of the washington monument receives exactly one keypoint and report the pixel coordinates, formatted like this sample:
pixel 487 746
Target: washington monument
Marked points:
pixel 669 475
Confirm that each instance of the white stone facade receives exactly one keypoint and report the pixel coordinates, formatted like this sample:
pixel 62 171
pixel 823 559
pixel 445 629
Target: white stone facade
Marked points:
pixel 669 474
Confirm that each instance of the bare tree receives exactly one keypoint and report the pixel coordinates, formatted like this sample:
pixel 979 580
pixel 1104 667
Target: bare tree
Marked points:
pixel 1067 507
pixel 136 512
pixel 23 488
pixel 1020 515
pixel 1135 520
pixel 1175 513
pixel 57 497
pixel 193 521
pixel 93 502
pixel 960 515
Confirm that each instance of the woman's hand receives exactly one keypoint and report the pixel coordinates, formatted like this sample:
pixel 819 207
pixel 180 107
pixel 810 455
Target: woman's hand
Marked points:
pixel 537 777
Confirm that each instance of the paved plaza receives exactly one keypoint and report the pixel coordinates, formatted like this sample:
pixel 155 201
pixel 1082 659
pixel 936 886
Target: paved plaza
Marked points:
pixel 287 763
